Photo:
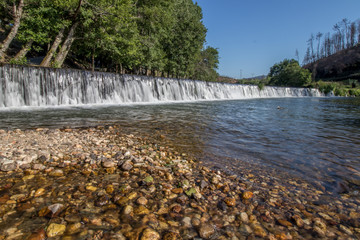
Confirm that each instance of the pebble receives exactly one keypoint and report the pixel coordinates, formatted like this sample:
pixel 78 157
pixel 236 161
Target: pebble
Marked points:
pixel 55 229
pixel 150 234
pixel 142 201
pixel 127 166
pixel 231 202
pixel 155 193
pixel 206 231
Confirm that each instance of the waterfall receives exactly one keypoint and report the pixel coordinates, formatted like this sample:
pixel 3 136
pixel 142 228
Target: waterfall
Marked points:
pixel 36 86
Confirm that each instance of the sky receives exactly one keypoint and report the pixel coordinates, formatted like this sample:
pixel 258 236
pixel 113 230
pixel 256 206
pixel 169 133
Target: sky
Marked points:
pixel 253 35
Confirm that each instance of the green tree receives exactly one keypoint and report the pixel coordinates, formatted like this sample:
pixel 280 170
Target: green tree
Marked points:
pixel 184 43
pixel 16 13
pixel 207 65
pixel 110 34
pixel 39 24
pixel 289 73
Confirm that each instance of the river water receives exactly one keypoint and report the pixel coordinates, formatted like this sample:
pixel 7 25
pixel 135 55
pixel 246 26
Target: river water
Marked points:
pixel 317 139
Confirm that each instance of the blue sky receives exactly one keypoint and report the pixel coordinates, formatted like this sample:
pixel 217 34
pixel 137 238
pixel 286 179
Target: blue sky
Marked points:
pixel 253 35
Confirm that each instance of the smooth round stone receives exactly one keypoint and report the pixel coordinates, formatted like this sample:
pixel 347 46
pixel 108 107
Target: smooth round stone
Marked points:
pixel 108 164
pixel 55 229
pixel 206 231
pixel 150 234
pixel 142 201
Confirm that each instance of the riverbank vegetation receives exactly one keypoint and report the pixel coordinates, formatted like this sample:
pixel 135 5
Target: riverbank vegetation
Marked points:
pixel 159 38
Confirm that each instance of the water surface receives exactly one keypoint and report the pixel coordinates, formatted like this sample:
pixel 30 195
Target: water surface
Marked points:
pixel 313 138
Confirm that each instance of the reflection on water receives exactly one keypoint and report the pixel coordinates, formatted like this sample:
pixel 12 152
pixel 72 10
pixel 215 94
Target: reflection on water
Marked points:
pixel 314 138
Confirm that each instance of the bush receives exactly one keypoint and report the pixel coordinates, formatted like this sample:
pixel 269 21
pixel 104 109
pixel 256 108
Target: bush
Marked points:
pixel 289 73
pixel 21 61
pixel 261 86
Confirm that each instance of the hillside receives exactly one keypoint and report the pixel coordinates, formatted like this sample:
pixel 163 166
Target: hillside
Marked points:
pixel 340 66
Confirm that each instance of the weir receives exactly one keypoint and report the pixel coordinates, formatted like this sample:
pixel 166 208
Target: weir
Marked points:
pixel 36 86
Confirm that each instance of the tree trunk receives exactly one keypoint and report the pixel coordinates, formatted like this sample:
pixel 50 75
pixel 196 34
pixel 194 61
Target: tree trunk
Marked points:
pixel 93 60
pixel 17 17
pixel 47 60
pixel 60 57
pixel 26 48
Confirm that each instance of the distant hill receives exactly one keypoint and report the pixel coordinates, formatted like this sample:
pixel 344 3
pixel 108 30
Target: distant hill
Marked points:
pixel 244 80
pixel 340 66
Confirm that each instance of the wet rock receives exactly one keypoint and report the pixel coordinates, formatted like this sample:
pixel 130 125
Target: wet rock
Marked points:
pixel 57 173
pixel 247 195
pixel 91 188
pixel 190 192
pixel 150 234
pixel 230 201
pixel 39 192
pixel 298 220
pixel 128 210
pixel 186 221
pixel 206 231
pixel 149 179
pixel 127 166
pixel 345 229
pixel 55 229
pixel 52 210
pixel 319 231
pixel 39 235
pixel 259 231
pixel 285 223
pixel 108 164
pixel 203 184
pixel 141 210
pixel 245 229
pixel 171 236
pixel 142 201
pixel 244 217
pixel 109 189
pixel 72 218
pixel 222 206
pixel 73 228
pixel 8 166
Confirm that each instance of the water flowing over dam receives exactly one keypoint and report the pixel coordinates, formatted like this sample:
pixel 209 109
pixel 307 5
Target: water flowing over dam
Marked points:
pixel 36 86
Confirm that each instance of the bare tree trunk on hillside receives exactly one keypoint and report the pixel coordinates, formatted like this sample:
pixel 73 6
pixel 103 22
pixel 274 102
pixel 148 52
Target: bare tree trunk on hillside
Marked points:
pixel 352 34
pixel 26 48
pixel 47 60
pixel 318 38
pixel 60 57
pixel 17 12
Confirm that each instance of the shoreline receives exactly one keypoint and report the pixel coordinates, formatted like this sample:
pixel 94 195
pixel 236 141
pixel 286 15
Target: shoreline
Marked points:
pixel 99 183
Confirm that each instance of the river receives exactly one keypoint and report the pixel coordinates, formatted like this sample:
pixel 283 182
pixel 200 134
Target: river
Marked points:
pixel 316 139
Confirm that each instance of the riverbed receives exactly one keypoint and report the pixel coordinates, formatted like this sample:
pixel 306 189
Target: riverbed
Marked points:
pixel 316 139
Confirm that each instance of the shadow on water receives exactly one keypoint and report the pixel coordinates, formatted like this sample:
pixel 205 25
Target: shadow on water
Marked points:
pixel 313 138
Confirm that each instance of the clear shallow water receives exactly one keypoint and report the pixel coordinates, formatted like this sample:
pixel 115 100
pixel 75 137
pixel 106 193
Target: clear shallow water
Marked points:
pixel 313 138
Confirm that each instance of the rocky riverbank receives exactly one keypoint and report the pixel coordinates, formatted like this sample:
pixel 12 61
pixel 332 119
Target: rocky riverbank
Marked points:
pixel 98 183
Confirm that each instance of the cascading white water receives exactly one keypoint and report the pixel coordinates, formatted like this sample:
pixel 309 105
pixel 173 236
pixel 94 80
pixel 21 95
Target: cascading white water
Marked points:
pixel 34 86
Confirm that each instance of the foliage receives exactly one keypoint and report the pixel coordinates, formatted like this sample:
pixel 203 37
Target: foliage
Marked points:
pixel 158 37
pixel 343 89
pixel 207 65
pixel 21 61
pixel 261 86
pixel 289 73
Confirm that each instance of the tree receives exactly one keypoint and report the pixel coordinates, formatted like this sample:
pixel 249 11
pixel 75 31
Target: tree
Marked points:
pixel 318 38
pixel 297 54
pixel 311 46
pixel 184 43
pixel 17 14
pixel 352 34
pixel 207 65
pixel 289 73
